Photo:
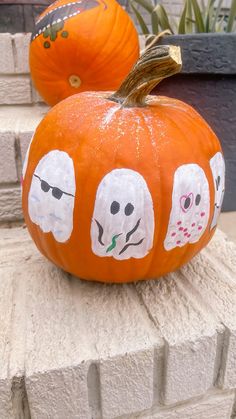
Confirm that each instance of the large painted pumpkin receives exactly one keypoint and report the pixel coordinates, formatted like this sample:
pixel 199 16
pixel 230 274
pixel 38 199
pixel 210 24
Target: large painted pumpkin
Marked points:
pixel 81 45
pixel 125 186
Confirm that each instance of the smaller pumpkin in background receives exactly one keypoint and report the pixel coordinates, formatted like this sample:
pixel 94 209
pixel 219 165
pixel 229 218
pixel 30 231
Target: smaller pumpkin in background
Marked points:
pixel 81 45
pixel 124 186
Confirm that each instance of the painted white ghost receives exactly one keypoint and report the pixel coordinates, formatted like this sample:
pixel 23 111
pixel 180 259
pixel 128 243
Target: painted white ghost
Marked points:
pixel 218 172
pixel 51 195
pixel 25 164
pixel 190 206
pixel 123 217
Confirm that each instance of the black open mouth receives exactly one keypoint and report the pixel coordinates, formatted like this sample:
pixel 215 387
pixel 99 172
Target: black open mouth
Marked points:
pixel 56 17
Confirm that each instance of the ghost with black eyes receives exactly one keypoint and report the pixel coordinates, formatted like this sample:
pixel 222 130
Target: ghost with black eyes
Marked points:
pixel 217 165
pixel 190 207
pixel 123 218
pixel 52 194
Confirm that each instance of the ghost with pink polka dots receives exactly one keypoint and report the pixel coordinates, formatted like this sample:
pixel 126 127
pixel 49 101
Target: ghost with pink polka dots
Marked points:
pixel 190 206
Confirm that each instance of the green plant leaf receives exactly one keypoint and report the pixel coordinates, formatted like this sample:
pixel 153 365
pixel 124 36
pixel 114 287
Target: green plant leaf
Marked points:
pixel 219 25
pixel 155 21
pixel 145 4
pixel 232 15
pixel 188 19
pixel 182 20
pixel 199 23
pixel 140 20
pixel 162 18
pixel 209 14
pixel 216 19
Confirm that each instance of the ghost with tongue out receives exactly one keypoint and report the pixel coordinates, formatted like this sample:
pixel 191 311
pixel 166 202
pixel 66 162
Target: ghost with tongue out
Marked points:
pixel 123 217
pixel 190 206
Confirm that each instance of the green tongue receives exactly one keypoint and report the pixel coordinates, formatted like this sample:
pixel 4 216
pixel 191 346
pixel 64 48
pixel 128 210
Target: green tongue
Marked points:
pixel 113 243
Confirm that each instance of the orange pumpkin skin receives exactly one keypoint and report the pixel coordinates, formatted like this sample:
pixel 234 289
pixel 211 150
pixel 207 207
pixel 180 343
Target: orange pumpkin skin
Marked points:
pixel 100 136
pixel 91 50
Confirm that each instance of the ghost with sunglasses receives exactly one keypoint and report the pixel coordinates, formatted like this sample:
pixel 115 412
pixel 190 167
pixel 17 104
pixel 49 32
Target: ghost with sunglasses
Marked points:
pixel 51 195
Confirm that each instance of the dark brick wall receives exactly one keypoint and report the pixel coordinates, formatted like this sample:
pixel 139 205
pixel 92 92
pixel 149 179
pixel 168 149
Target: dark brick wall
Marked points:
pixel 208 83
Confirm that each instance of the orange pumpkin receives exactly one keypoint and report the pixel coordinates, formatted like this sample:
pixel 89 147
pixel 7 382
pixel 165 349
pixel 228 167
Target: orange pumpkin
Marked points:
pixel 125 186
pixel 81 45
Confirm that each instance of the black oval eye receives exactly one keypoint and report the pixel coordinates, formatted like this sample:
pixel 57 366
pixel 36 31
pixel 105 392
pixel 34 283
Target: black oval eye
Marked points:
pixel 129 209
pixel 217 182
pixel 45 186
pixel 115 207
pixel 198 199
pixel 57 193
pixel 187 203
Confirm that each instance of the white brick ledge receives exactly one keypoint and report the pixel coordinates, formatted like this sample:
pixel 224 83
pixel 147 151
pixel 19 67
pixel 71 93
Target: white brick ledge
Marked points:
pixel 161 349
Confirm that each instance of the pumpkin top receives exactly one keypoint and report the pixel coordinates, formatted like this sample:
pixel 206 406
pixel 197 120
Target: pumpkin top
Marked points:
pixel 156 64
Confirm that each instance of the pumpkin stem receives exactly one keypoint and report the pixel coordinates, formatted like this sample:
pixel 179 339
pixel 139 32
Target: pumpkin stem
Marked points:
pixel 153 66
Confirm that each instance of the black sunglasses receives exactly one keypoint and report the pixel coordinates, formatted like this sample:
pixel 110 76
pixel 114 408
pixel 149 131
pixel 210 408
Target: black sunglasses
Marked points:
pixel 56 192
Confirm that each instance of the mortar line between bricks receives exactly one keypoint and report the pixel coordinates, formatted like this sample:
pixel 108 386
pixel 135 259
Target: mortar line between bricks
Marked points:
pixel 19 398
pixel 233 412
pixel 222 350
pixel 158 376
pixel 18 157
pixel 193 400
pixel 94 390
pixel 15 75
pixel 9 185
pixel 13 45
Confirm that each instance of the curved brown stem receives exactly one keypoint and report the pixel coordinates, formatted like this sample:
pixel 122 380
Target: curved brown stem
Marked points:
pixel 153 66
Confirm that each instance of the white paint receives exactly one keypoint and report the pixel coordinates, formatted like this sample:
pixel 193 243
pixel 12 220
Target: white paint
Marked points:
pixel 53 213
pixel 218 172
pixel 123 217
pixel 190 206
pixel 109 115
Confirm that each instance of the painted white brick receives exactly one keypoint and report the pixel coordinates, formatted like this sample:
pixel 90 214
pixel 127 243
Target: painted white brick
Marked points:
pixel 190 336
pixel 15 90
pixel 6 54
pixel 59 394
pixel 218 263
pixel 7 302
pixel 16 122
pixel 21 43
pixel 87 349
pixel 10 204
pixel 5 398
pixel 7 158
pixel 127 384
pixel 216 406
pixel 91 322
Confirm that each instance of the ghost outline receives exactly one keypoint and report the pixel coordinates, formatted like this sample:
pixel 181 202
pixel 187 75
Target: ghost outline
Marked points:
pixel 123 217
pixel 217 165
pixel 52 194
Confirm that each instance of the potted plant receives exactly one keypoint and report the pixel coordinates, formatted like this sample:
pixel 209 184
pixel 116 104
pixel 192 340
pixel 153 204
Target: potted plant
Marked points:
pixel 208 78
